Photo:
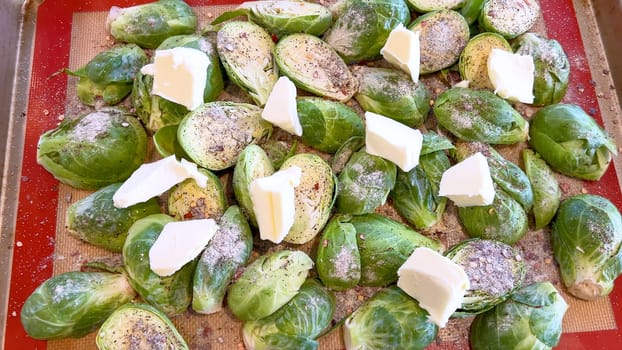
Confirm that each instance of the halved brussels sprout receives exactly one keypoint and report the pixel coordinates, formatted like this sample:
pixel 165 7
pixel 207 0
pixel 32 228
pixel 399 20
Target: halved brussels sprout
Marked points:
pixel 338 259
pixel 363 26
pixel 364 183
pixel 228 250
pixel 314 197
pixel 252 164
pixel 546 191
pixel 473 63
pixel 587 240
pixel 389 320
pixel 571 141
pixel 530 319
pixel 552 69
pixel 384 245
pixel 96 220
pixel 302 319
pixel 326 124
pixel 318 70
pixel 187 200
pixel 139 326
pixel 283 17
pixel 480 116
pixel 74 304
pixel 149 24
pixel 495 270
pixel 392 93
pixel 509 18
pixel 435 5
pixel 94 150
pixel 268 283
pixel 215 133
pixel 246 51
pixel 172 294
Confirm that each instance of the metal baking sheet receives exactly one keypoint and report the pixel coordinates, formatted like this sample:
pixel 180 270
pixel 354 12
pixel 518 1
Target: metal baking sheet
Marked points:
pixel 46 36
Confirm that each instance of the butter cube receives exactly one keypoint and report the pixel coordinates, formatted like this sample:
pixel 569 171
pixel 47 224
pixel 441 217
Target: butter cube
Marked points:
pixel 512 75
pixel 402 50
pixel 468 183
pixel 280 109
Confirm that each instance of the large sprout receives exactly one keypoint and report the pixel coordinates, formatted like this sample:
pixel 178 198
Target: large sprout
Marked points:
pixel 338 258
pixel 546 190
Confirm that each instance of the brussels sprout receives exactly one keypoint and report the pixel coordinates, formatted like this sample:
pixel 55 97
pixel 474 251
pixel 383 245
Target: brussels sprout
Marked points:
pixel 443 36
pixel 384 245
pixel 245 50
pixel 326 124
pixel 314 197
pixel 509 18
pixel 149 24
pixel 435 5
pixel 215 133
pixel 109 74
pixel 283 17
pixel 94 150
pixel 552 69
pixel 571 141
pixel 473 62
pixel 392 93
pixel 365 183
pixel 187 200
pixel 345 151
pixel 363 26
pixel 338 259
pixel 504 220
pixel 471 10
pixel 586 238
pixel 139 326
pixel 480 116
pixel 546 191
pixel 389 320
pixel 252 164
pixel 319 70
pixel 96 220
pixel 507 175
pixel 303 317
pixel 228 250
pixel 495 270
pixel 165 142
pixel 170 294
pixel 268 283
pixel 530 319
pixel 74 304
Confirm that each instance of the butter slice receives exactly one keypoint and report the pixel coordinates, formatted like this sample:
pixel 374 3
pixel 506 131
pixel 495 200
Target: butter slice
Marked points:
pixel 179 243
pixel 512 75
pixel 153 179
pixel 436 282
pixel 280 108
pixel 179 75
pixel 392 140
pixel 468 183
pixel 274 203
pixel 403 51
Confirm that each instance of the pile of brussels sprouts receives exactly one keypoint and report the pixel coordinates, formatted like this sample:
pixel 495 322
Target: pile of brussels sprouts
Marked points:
pixel 285 294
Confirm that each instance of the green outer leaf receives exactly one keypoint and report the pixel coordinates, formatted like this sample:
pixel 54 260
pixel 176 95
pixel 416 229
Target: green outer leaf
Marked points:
pixel 471 9
pixel 345 152
pixel 172 294
pixel 229 15
pixel 295 17
pixel 279 151
pixel 188 201
pixel 384 245
pixel 74 304
pixel 546 190
pixel 252 164
pixel 571 141
pixel 96 220
pixel 227 251
pixel 433 142
pixel 165 142
pixel 338 259
pixel 326 124
pixel 480 116
pixel 267 284
pixel 365 183
pixel 389 320
pixel 136 322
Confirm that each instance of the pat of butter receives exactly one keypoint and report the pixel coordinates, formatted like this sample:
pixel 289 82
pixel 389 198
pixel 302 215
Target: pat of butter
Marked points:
pixel 436 282
pixel 274 203
pixel 153 179
pixel 402 50
pixel 179 243
pixel 392 140
pixel 512 75
pixel 179 75
pixel 468 183
pixel 280 108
